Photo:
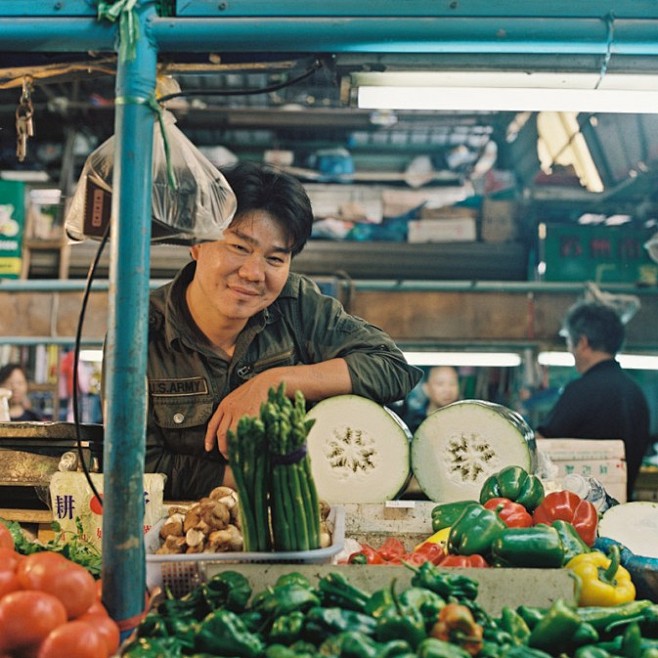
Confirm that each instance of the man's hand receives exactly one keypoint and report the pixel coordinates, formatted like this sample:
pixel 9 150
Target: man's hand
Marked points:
pixel 243 401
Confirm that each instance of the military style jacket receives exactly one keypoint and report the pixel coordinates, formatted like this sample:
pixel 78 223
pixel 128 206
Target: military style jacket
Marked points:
pixel 188 377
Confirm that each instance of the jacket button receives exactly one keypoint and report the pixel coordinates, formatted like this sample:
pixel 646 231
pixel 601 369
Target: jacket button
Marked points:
pixel 178 418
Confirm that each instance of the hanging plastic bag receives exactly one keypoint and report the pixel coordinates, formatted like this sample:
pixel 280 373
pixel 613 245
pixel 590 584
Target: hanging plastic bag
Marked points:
pixel 191 199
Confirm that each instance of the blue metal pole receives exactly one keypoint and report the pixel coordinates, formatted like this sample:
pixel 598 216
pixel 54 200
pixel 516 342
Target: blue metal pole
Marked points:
pixel 123 514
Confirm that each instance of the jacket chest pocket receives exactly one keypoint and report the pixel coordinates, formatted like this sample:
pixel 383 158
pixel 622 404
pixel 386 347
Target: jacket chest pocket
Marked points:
pixel 182 413
pixel 287 357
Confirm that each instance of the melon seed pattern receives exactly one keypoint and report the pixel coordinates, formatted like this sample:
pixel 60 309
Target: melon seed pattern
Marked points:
pixel 351 450
pixel 469 456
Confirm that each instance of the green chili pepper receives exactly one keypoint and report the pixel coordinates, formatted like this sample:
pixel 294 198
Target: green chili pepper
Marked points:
pixel 572 542
pixel 379 601
pixel 336 590
pixel 531 615
pixel 322 622
pixel 631 645
pixel 515 483
pixel 432 648
pixel 585 635
pixel 535 547
pixel 604 618
pixel 514 624
pixel 445 514
pixel 400 622
pixel 228 589
pixel 591 652
pixel 293 577
pixel 428 603
pixel 524 652
pixel 224 633
pixel 287 629
pixel 447 585
pixel 281 600
pixel 554 631
pixel 475 531
pixel 153 648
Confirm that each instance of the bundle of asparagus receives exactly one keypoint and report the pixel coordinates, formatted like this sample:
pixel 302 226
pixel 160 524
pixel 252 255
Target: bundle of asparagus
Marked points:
pixel 278 499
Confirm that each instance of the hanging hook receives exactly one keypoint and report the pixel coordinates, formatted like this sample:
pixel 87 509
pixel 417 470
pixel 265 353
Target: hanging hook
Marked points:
pixel 24 114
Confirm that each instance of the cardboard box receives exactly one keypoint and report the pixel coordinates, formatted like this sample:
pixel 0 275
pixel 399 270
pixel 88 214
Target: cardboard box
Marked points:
pixel 72 499
pixel 604 460
pixel 499 220
pixel 442 230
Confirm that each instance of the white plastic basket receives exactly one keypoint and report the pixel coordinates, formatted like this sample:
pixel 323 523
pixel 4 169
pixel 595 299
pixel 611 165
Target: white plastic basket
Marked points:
pixel 181 573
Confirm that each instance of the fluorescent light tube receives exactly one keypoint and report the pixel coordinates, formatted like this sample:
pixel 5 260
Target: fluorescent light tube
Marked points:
pixel 626 361
pixel 484 359
pixel 508 99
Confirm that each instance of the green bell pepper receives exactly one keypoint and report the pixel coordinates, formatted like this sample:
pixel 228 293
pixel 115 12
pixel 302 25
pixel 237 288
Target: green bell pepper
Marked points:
pixel 432 648
pixel 475 531
pixel 227 589
pixel 445 514
pixel 352 644
pixel 336 590
pixel 591 652
pixel 222 632
pixel 287 629
pixel 572 542
pixel 536 547
pixel 447 585
pixel 524 652
pixel 514 483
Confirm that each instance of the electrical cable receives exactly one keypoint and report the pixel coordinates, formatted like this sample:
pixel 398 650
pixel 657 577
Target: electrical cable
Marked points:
pixel 316 66
pixel 76 359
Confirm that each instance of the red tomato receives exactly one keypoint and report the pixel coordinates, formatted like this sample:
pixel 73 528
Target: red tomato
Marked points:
pixel 6 540
pixel 71 583
pixel 10 559
pixel 8 582
pixel 74 639
pixel 107 628
pixel 26 618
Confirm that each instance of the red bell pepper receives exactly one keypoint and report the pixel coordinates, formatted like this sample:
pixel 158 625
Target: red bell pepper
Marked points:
pixel 513 515
pixel 367 555
pixel 474 560
pixel 570 507
pixel 432 551
pixel 392 548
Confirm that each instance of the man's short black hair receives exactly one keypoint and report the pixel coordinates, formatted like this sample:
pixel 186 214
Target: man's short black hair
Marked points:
pixel 599 323
pixel 260 187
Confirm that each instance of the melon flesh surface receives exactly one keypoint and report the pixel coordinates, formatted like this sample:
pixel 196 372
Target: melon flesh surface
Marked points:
pixel 634 525
pixel 455 449
pixel 359 451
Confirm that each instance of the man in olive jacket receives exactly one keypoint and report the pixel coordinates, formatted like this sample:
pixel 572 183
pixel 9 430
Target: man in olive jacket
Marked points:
pixel 235 322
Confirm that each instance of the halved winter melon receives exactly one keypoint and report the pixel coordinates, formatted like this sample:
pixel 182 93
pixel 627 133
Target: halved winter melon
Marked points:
pixel 456 448
pixel 359 450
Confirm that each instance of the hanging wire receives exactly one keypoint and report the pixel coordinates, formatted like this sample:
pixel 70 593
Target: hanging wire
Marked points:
pixel 76 360
pixel 610 24
pixel 316 66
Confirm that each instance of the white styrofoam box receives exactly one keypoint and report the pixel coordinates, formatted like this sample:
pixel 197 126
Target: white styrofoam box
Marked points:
pixel 442 230
pixel 353 202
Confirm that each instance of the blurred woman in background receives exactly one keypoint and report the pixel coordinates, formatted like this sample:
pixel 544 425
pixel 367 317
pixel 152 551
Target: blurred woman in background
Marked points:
pixel 13 377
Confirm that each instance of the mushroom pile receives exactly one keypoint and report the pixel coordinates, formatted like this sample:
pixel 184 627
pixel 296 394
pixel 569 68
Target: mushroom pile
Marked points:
pixel 210 525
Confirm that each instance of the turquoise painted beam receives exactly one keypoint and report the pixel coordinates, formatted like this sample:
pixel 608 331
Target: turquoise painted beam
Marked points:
pixel 635 36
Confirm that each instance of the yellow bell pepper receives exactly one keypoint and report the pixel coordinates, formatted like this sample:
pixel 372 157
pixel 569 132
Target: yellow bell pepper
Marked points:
pixel 439 537
pixel 603 580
